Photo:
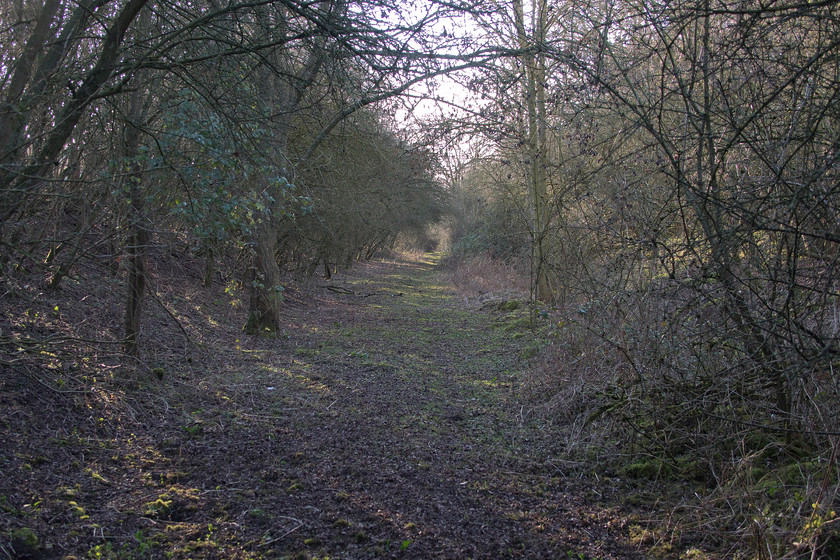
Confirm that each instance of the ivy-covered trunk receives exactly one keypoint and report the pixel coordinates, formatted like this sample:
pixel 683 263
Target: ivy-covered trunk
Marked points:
pixel 264 286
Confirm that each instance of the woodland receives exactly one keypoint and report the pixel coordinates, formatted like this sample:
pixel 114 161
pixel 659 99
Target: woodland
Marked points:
pixel 419 279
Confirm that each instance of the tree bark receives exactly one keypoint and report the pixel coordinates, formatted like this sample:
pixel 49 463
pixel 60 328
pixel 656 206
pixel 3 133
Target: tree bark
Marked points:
pixel 534 93
pixel 265 290
pixel 138 239
pixel 287 91
pixel 136 274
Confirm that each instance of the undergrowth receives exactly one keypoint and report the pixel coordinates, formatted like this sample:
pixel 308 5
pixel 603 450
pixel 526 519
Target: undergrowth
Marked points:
pixel 655 386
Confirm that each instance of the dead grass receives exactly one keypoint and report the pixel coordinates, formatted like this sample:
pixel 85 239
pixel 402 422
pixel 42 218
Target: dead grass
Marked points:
pixel 636 397
pixel 482 279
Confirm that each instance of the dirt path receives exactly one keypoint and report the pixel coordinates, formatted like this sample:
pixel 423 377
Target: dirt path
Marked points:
pixel 385 422
pixel 402 434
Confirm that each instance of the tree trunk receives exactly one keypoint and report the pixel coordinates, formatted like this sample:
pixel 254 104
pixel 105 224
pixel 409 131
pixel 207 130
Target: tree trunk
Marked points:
pixel 209 264
pixel 534 93
pixel 138 237
pixel 265 290
pixel 136 273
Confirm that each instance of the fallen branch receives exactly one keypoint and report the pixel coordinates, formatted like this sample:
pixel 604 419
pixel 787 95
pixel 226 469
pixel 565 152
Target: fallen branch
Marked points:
pixel 287 533
pixel 340 290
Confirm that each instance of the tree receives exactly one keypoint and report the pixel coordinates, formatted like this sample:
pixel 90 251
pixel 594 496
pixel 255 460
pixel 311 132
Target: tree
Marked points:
pixel 749 152
pixel 252 67
pixel 534 77
pixel 35 94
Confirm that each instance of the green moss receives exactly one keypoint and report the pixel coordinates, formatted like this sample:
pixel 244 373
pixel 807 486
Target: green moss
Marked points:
pixel 510 305
pixel 693 469
pixel 792 474
pixel 6 507
pixel 643 469
pixel 662 550
pixel 78 510
pixel 694 554
pixel 25 542
pixel 641 499
pixel 67 492
pixel 530 351
pixel 756 473
pixel 176 504
pixel 96 476
pixel 159 508
pixel 640 536
pixel 523 323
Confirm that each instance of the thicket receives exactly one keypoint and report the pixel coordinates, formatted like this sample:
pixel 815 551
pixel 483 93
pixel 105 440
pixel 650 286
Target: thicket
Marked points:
pixel 666 171
pixel 687 168
pixel 245 135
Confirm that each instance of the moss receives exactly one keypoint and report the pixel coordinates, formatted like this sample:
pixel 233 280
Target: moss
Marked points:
pixel 198 546
pixel 694 554
pixel 96 476
pixel 530 351
pixel 661 550
pixel 523 323
pixel 68 492
pixel 641 499
pixel 159 508
pixel 793 473
pixel 693 469
pixel 25 542
pixel 643 469
pixel 78 510
pixel 756 473
pixel 6 507
pixel 510 305
pixel 176 504
pixel 639 535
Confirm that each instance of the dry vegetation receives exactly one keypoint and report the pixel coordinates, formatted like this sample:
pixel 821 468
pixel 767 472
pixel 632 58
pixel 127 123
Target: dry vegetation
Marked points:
pixel 383 421
pixel 623 384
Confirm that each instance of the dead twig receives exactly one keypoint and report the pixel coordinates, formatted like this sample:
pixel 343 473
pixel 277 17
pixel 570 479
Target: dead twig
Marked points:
pixel 287 533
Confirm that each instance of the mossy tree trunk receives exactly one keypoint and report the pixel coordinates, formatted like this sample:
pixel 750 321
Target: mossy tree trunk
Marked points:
pixel 264 289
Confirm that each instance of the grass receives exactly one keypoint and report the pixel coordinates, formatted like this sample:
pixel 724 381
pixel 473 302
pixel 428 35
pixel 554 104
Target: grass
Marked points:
pixel 395 407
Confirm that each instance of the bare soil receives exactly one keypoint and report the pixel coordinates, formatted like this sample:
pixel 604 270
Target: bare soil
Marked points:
pixel 385 421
